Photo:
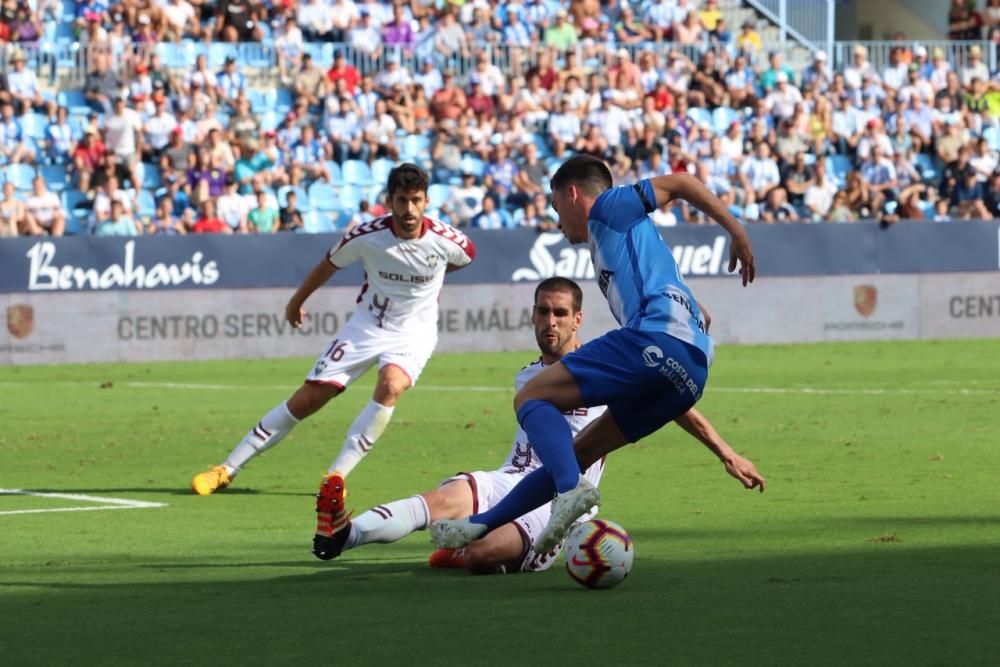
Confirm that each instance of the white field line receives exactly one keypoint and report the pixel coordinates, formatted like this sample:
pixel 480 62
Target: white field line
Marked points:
pixel 821 391
pixel 105 502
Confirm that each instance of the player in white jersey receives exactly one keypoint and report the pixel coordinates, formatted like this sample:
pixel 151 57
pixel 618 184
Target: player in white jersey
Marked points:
pixel 394 326
pixel 556 317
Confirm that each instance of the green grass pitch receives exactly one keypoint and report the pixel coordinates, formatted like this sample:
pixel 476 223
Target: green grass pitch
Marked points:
pixel 876 543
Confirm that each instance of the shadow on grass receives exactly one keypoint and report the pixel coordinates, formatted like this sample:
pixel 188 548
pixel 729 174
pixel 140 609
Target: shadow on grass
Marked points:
pixel 179 491
pixel 881 604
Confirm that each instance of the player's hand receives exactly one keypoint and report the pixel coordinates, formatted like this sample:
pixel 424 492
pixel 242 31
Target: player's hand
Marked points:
pixel 745 472
pixel 294 314
pixel 739 250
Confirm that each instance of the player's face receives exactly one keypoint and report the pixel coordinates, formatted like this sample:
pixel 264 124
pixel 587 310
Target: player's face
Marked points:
pixel 572 214
pixel 408 211
pixel 555 323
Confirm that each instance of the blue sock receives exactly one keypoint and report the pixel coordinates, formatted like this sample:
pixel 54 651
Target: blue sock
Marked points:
pixel 551 438
pixel 533 491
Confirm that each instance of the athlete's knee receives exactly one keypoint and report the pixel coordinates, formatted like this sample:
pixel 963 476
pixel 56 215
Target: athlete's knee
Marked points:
pixel 310 398
pixel 391 384
pixel 482 558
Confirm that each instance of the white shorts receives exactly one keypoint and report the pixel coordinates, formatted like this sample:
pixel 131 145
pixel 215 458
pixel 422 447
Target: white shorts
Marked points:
pixel 358 348
pixel 488 489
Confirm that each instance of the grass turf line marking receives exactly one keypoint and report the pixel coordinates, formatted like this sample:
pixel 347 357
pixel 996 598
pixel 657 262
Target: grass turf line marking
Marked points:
pixel 822 391
pixel 107 503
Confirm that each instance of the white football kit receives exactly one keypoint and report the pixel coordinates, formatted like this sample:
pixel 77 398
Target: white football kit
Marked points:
pixel 489 487
pixel 395 320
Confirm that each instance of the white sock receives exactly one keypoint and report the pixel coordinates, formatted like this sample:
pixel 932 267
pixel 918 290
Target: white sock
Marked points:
pixel 361 437
pixel 268 432
pixel 390 522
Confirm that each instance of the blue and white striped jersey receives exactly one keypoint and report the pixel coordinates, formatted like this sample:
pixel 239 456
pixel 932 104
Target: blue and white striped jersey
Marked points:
pixel 636 270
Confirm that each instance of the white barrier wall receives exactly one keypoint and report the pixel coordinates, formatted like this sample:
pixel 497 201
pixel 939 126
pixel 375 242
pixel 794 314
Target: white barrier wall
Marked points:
pixel 249 323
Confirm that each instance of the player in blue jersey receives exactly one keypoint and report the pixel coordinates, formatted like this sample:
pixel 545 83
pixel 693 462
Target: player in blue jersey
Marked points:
pixel 650 371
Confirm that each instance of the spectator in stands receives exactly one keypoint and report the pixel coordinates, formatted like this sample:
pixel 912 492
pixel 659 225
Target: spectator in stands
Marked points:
pixel 165 223
pixel 841 211
pixel 906 173
pixel 22 85
pixel 380 133
pixel 817 74
pixel 819 196
pixel 238 21
pixel 232 208
pixel 467 199
pixel 342 70
pixel 561 35
pixel 310 83
pixel 894 76
pixel 118 223
pixel 263 219
pixel 969 196
pixel 448 102
pixel 13 217
pixel 783 98
pixel 879 175
pixel 796 178
pixel 450 38
pixel 180 21
pixel 748 40
pixel 13 147
pixel 391 75
pixel 102 85
pixel 44 210
pixel 859 199
pixel 776 66
pixel 492 217
pixel 399 31
pixel 429 78
pixel 777 209
pixel 854 73
pixel 759 174
pixel 964 23
pixel 950 143
pixel 940 69
pixel 688 31
pixel 208 222
pixel 289 217
pixel 975 69
pixel 992 195
pixel 739 84
pixel 230 83
pixel 942 211
pixel 873 135
pixel 158 128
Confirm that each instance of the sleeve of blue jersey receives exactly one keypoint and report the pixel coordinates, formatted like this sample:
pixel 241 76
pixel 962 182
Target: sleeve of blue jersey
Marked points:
pixel 621 208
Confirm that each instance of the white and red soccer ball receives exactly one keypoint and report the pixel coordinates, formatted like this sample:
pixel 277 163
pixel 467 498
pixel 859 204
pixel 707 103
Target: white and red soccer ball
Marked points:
pixel 599 553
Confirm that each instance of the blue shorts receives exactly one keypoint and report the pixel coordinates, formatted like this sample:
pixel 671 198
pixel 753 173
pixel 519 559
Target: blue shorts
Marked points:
pixel 646 379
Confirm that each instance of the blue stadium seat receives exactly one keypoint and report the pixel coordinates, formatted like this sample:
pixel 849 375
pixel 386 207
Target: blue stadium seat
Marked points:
pixel 55 176
pixel 336 178
pixel 318 222
pixel 473 165
pixel 722 118
pixel 416 147
pixel 350 198
pixel 283 101
pixel 218 52
pixel 381 169
pixel 21 176
pixel 173 56
pixel 74 100
pixel 269 120
pixel 343 219
pixel 323 197
pixel 33 125
pixel 438 195
pixel 992 136
pixel 357 172
pixel 147 204
pixel 837 167
pixel 150 176
pixel 261 100
pixel 928 168
pixel 73 201
pixel 700 116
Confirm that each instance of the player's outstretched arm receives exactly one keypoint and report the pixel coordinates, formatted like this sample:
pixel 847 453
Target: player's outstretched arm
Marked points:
pixel 742 469
pixel 316 279
pixel 690 189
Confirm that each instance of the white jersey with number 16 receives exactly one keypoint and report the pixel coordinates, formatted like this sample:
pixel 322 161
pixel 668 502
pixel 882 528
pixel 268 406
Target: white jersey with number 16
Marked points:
pixel 403 277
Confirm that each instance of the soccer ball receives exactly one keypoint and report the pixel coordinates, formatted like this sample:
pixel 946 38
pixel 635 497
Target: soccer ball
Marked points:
pixel 599 553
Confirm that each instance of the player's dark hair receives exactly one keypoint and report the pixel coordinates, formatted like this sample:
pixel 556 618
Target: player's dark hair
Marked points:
pixel 586 172
pixel 407 177
pixel 560 284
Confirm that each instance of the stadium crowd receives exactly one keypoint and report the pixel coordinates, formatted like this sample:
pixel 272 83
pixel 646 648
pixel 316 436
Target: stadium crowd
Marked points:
pixel 652 87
